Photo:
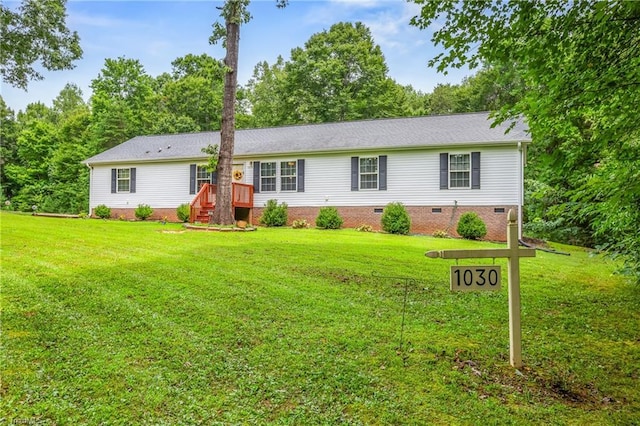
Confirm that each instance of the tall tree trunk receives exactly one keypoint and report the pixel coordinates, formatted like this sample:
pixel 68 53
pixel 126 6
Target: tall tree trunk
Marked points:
pixel 223 213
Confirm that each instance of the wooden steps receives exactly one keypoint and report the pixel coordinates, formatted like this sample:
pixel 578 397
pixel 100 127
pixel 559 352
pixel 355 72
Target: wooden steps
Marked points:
pixel 204 211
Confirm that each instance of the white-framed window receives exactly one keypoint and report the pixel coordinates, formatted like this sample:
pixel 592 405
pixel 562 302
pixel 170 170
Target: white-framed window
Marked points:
pixel 268 176
pixel 123 180
pixel 368 172
pixel 459 171
pixel 278 176
pixel 202 176
pixel 288 176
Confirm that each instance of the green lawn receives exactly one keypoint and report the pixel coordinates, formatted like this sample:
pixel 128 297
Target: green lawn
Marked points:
pixel 109 322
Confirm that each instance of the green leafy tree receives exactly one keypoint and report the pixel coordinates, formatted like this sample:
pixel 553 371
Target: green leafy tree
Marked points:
pixel 166 123
pixel 35 142
pixel 339 75
pixel 8 148
pixel 490 89
pixel 444 99
pixel 45 167
pixel 414 102
pixel 123 102
pixel 479 92
pixel 266 93
pixel 580 64
pixel 33 36
pixel 68 102
pixel 194 91
pixel 68 178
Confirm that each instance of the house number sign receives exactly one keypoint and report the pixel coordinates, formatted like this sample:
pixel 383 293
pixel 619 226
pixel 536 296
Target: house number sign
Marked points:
pixel 485 277
pixel 473 278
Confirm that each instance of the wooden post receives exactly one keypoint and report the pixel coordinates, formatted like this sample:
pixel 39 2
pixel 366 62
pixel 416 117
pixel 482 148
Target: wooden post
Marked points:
pixel 513 253
pixel 515 334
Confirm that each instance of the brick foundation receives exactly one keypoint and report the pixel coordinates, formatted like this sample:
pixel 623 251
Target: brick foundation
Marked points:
pixel 424 219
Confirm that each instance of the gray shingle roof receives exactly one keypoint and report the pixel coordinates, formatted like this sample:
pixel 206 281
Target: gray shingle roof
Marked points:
pixel 383 134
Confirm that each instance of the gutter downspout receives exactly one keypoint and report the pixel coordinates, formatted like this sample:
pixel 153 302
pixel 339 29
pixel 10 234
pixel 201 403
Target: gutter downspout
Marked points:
pixel 521 161
pixel 90 185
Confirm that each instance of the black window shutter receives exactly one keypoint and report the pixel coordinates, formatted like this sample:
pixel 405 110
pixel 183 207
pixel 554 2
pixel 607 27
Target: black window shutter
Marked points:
pixel 355 170
pixel 475 170
pixel 214 178
pixel 132 183
pixel 192 179
pixel 114 181
pixel 256 176
pixel 300 175
pixel 382 173
pixel 444 170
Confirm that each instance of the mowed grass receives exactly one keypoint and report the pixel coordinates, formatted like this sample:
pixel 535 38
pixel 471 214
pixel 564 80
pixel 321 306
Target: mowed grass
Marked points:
pixel 119 323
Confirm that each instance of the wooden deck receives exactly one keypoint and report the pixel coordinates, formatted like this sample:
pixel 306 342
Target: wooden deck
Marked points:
pixel 204 203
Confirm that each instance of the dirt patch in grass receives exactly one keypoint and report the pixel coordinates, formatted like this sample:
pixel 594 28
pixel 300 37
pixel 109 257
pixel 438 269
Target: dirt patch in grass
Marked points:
pixel 566 389
pixel 338 275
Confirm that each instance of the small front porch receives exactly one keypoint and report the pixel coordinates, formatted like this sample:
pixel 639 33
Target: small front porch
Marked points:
pixel 204 203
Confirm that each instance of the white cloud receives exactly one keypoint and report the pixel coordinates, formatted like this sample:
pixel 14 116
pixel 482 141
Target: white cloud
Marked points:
pixel 77 19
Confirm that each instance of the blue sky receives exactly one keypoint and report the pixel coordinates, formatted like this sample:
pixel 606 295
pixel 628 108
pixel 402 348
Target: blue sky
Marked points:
pixel 157 32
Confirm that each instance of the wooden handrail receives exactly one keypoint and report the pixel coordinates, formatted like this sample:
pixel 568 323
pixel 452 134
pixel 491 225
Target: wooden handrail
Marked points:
pixel 206 195
pixel 242 196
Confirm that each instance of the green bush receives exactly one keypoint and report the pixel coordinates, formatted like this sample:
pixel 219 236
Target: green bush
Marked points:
pixel 471 227
pixel 143 211
pixel 183 212
pixel 395 219
pixel 300 224
pixel 328 218
pixel 102 211
pixel 274 214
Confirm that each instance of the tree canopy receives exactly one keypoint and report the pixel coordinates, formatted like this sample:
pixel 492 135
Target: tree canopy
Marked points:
pixel 340 74
pixel 579 63
pixel 35 34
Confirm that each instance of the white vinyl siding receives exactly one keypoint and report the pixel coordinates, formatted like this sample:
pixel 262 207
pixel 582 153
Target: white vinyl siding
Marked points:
pixel 161 185
pixel 413 178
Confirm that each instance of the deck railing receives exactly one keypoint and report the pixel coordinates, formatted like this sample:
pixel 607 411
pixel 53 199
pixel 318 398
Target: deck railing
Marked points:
pixel 242 196
pixel 205 196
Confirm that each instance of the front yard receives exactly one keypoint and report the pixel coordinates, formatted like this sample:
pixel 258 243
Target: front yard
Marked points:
pixel 109 322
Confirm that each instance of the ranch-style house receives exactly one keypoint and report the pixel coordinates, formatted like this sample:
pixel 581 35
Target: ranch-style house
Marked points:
pixel 437 166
